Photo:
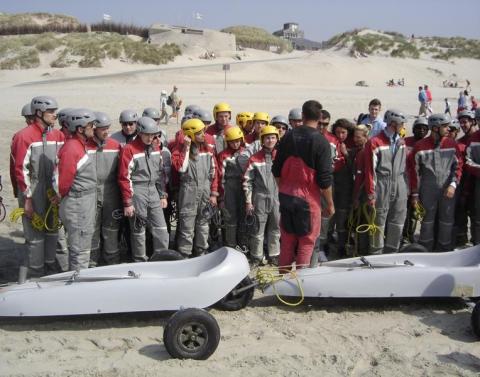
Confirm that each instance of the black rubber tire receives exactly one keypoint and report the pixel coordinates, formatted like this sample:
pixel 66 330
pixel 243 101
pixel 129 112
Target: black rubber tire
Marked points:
pixel 3 212
pixel 166 255
pixel 233 302
pixel 191 334
pixel 413 248
pixel 475 320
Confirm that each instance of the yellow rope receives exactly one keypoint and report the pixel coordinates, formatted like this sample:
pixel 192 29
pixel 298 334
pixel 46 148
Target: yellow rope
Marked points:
pixel 53 208
pixel 418 211
pixel 271 275
pixel 370 216
pixel 37 221
pixel 352 223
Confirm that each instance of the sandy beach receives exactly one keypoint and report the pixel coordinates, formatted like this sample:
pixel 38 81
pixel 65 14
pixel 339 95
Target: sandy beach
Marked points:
pixel 320 337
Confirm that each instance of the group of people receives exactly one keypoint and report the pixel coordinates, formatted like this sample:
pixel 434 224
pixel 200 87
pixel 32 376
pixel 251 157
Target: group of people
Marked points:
pixel 280 188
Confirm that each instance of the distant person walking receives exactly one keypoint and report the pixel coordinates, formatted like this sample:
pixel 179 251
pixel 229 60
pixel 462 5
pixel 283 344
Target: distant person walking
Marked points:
pixel 174 101
pixel 429 98
pixel 422 98
pixel 447 107
pixel 163 107
pixel 462 101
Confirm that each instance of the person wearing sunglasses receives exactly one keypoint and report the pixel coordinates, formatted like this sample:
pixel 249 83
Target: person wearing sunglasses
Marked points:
pixel 128 133
pixel 141 180
pixel 281 124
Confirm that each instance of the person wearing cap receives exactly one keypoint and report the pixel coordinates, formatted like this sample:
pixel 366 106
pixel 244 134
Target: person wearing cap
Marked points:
pixel 163 107
pixel 142 185
pixel 33 156
pixel 175 102
pixel 76 186
pixel 464 193
pixel 434 170
pixel 104 152
pixel 128 120
pixel 194 161
pixel 420 130
pixel 386 184
pixel 261 198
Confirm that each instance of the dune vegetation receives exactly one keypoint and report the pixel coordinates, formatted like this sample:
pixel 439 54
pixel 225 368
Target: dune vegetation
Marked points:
pixel 260 39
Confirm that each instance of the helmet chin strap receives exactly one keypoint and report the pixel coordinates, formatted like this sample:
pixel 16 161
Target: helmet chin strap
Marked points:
pixel 48 127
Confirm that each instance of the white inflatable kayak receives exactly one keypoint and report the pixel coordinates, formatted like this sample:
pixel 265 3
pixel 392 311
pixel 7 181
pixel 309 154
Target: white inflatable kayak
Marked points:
pixel 450 274
pixel 150 286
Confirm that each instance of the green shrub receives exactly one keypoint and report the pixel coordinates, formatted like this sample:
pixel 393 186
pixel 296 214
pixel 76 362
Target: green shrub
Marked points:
pixel 46 45
pixel 254 37
pixel 25 59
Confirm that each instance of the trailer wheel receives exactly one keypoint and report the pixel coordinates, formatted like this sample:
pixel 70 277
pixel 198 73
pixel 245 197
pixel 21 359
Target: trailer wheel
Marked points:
pixel 165 255
pixel 413 248
pixel 191 334
pixel 475 319
pixel 232 301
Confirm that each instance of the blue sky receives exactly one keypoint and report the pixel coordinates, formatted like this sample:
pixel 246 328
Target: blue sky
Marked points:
pixel 319 19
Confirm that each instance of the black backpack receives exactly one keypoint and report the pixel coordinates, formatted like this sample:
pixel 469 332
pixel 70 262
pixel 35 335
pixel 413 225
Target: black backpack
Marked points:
pixel 169 100
pixel 360 118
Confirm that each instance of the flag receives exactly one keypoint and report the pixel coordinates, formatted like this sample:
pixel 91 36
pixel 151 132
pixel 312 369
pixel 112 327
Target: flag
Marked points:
pixel 107 17
pixel 198 16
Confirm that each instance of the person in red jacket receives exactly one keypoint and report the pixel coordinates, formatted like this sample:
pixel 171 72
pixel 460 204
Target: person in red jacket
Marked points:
pixel 473 168
pixel 222 114
pixel 338 162
pixel 464 193
pixel 104 152
pixel 33 155
pixel 195 162
pixel 76 182
pixel 343 183
pixel 359 197
pixel 420 130
pixel 386 184
pixel 230 188
pixel 303 170
pixel 142 183
pixel 261 198
pixel 435 170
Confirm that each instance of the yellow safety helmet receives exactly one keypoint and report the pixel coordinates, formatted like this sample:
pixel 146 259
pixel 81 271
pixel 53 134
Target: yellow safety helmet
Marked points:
pixel 233 133
pixel 268 130
pixel 221 107
pixel 191 127
pixel 261 116
pixel 243 118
